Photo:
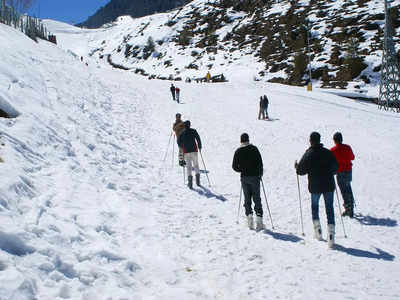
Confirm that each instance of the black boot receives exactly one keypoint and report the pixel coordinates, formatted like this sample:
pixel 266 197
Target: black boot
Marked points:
pixel 190 182
pixel 198 179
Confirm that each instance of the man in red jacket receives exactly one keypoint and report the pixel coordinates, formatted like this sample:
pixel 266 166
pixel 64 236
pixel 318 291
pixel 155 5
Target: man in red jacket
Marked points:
pixel 344 155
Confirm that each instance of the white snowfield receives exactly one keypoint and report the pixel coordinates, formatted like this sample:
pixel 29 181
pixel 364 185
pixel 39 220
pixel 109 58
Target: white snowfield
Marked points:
pixel 89 210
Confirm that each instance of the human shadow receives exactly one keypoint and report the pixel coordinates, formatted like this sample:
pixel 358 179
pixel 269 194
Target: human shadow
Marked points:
pixel 203 191
pixel 287 237
pixel 364 253
pixel 372 221
pixel 271 119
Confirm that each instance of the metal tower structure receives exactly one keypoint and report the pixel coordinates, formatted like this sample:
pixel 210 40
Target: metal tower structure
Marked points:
pixel 389 89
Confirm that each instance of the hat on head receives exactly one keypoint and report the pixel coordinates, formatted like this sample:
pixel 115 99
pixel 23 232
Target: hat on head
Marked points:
pixel 244 138
pixel 315 138
pixel 337 137
pixel 178 115
pixel 187 124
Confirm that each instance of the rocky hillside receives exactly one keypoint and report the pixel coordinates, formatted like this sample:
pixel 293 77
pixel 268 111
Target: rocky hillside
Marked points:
pixel 269 38
pixel 135 8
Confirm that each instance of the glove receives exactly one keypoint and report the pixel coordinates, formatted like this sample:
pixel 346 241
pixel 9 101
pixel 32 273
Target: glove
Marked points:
pixel 182 163
pixel 295 164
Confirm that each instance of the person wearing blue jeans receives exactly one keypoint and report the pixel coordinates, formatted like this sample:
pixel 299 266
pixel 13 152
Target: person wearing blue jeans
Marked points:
pixel 344 155
pixel 248 162
pixel 320 165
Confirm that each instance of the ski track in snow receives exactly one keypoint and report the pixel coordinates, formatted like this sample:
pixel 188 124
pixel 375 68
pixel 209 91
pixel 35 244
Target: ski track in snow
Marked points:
pixel 92 211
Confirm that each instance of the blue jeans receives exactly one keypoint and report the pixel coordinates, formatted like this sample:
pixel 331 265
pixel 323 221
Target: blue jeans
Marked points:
pixel 251 191
pixel 328 197
pixel 344 183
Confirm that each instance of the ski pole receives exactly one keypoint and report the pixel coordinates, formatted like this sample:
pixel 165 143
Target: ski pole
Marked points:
pixel 301 210
pixel 173 152
pixel 240 202
pixel 266 200
pixel 340 210
pixel 205 168
pixel 184 178
pixel 166 152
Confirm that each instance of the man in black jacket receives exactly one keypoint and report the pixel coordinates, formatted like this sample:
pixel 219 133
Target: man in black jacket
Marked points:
pixel 248 162
pixel 320 165
pixel 190 141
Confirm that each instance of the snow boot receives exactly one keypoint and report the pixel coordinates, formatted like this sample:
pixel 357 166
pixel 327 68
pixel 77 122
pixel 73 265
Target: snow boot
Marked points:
pixel 250 222
pixel 259 223
pixel 190 182
pixel 198 179
pixel 331 235
pixel 317 230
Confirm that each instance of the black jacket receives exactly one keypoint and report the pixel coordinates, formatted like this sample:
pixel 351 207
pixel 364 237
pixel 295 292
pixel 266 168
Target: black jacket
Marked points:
pixel 320 164
pixel 247 160
pixel 187 140
pixel 266 102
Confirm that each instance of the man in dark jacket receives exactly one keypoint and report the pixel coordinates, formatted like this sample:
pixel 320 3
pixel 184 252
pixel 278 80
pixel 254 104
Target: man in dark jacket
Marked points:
pixel 320 165
pixel 172 89
pixel 266 103
pixel 344 155
pixel 190 141
pixel 261 113
pixel 248 162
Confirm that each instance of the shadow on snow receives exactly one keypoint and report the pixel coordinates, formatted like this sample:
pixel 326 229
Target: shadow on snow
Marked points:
pixel 372 221
pixel 287 237
pixel 364 253
pixel 203 191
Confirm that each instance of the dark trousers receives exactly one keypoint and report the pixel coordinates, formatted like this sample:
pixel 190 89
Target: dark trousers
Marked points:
pixel 251 191
pixel 344 183
pixel 330 214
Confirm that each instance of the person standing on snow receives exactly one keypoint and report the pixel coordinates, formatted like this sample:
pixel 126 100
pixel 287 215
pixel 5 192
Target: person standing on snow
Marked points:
pixel 320 164
pixel 178 127
pixel 190 141
pixel 172 89
pixel 266 103
pixel 261 112
pixel 248 162
pixel 344 155
pixel 177 92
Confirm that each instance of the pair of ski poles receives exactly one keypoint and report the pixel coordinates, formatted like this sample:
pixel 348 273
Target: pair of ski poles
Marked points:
pixel 266 201
pixel 301 211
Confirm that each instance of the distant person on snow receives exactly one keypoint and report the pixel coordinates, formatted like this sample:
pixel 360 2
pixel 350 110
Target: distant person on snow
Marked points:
pixel 344 155
pixel 177 92
pixel 178 127
pixel 320 164
pixel 266 103
pixel 248 162
pixel 261 112
pixel 172 89
pixel 190 141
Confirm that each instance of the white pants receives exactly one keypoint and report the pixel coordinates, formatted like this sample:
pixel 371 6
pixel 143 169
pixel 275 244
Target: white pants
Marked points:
pixel 191 159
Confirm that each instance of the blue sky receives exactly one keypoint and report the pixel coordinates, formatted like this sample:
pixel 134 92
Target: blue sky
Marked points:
pixel 67 11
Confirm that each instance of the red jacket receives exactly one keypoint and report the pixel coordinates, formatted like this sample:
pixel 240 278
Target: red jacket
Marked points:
pixel 344 155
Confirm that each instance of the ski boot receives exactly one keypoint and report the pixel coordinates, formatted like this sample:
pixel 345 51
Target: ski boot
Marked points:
pixel 250 222
pixel 317 230
pixel 259 223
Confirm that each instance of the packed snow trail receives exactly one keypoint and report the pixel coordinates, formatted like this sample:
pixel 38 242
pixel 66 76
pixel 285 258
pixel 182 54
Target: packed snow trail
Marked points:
pixel 92 211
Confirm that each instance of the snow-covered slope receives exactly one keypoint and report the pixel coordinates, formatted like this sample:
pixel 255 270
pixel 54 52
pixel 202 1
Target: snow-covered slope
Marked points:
pixel 89 209
pixel 268 39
